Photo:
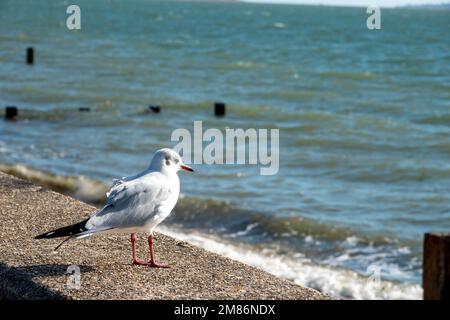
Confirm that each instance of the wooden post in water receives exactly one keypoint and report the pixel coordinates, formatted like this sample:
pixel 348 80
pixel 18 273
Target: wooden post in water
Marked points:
pixel 30 55
pixel 155 109
pixel 219 109
pixel 436 266
pixel 11 112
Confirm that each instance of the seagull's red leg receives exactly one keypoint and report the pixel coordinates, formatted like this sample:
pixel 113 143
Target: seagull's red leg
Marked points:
pixel 133 248
pixel 152 262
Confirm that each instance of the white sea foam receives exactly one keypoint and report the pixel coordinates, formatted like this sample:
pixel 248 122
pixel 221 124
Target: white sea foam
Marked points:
pixel 352 241
pixel 4 149
pixel 279 25
pixel 249 228
pixel 327 279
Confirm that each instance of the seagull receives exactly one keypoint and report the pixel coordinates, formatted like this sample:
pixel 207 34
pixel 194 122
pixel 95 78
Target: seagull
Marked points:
pixel 134 204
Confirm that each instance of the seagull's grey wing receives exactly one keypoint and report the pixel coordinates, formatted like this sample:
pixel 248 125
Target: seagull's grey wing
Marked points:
pixel 130 204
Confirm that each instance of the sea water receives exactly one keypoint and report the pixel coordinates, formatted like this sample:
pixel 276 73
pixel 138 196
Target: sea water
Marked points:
pixel 363 116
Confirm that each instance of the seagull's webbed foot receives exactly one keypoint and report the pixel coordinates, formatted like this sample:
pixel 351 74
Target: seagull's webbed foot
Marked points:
pixel 139 262
pixel 136 261
pixel 151 263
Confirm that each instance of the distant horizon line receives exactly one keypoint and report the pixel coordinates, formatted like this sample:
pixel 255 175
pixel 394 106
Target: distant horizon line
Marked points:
pixel 342 3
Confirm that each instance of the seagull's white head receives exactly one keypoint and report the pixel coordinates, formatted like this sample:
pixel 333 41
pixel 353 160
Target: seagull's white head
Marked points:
pixel 167 160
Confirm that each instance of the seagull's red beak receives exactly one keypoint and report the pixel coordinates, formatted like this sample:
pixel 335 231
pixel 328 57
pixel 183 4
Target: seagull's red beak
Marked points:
pixel 187 168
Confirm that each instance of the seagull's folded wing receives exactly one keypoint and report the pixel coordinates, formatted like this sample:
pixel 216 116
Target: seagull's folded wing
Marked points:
pixel 130 204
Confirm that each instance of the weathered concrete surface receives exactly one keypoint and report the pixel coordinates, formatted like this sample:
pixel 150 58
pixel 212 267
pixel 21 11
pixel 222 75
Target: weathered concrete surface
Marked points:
pixel 29 269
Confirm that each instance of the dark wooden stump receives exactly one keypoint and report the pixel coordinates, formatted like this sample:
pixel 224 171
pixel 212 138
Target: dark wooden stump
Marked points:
pixel 219 109
pixel 11 112
pixel 155 109
pixel 30 55
pixel 436 266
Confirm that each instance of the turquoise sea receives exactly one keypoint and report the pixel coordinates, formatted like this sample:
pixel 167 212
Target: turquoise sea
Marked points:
pixel 364 120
